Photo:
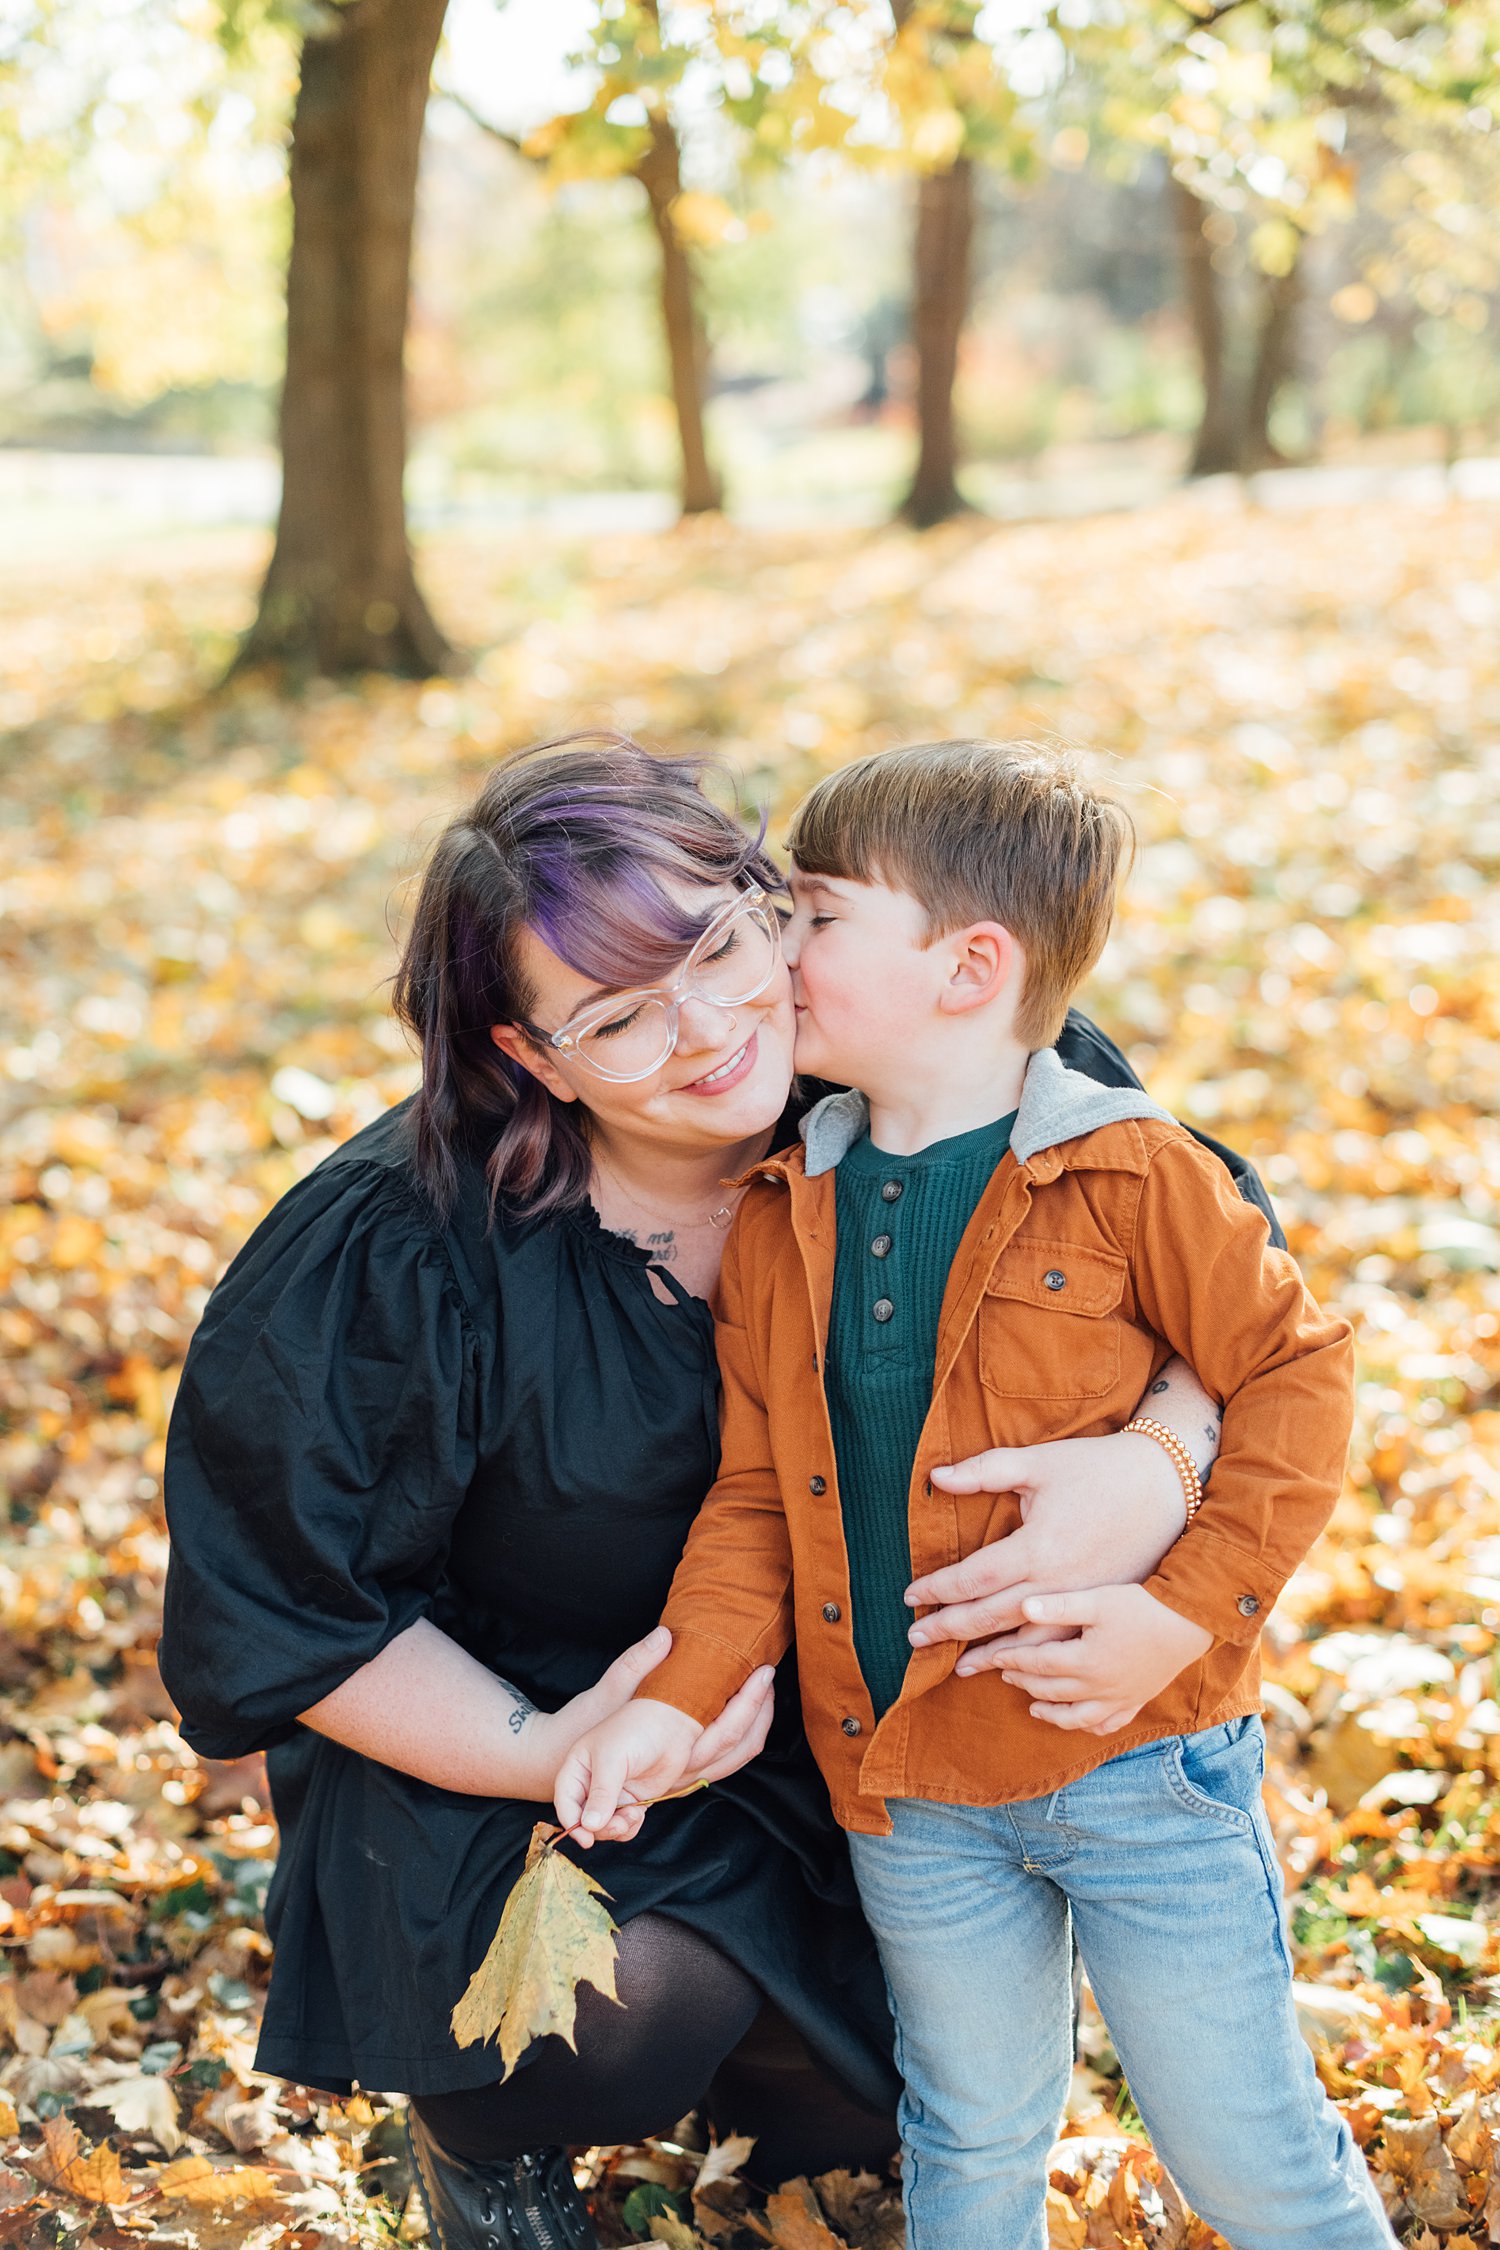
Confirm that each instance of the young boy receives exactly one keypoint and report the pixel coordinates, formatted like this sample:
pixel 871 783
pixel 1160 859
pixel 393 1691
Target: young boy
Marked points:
pixel 978 1247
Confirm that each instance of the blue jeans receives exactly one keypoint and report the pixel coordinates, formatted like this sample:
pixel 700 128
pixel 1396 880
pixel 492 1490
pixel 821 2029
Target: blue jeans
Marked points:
pixel 1162 1859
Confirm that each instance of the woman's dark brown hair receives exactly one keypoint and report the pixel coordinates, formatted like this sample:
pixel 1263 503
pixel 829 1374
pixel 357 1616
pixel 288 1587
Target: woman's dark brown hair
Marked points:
pixel 587 841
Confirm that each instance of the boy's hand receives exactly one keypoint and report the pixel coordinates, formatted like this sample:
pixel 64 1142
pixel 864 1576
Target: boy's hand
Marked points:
pixel 1129 1647
pixel 649 1750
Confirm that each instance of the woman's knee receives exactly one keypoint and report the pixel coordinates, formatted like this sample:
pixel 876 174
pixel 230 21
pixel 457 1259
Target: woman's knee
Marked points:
pixel 639 2065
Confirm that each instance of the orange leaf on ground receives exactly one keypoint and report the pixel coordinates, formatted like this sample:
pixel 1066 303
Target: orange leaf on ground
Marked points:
pixel 192 2179
pixel 92 2174
pixel 796 2221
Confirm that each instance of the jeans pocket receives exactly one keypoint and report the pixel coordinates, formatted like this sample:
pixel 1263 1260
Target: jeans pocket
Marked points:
pixel 1217 1772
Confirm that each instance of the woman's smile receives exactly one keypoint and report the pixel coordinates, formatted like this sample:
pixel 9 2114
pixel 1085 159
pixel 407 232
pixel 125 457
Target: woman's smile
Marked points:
pixel 728 1073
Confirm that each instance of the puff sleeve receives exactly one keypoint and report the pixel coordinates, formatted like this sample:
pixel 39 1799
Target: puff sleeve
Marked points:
pixel 320 1447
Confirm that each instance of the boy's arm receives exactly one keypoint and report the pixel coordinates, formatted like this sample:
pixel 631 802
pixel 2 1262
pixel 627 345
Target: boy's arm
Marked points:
pixel 1207 1280
pixel 730 1607
pixel 1240 1313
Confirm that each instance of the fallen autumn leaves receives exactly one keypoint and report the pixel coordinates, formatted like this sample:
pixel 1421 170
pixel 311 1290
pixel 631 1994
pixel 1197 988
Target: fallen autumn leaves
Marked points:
pixel 194 947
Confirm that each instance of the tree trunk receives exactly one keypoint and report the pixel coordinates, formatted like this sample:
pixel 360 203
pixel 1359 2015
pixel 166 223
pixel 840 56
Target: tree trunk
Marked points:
pixel 943 243
pixel 660 174
pixel 1215 448
pixel 1275 345
pixel 340 594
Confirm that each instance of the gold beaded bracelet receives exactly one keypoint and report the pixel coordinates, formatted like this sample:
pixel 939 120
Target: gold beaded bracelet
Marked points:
pixel 1182 1461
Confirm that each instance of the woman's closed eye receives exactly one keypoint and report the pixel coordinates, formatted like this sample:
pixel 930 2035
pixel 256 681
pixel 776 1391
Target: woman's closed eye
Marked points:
pixel 619 1024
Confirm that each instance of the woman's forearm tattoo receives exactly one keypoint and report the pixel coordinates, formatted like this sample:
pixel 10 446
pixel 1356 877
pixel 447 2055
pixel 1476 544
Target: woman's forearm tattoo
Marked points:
pixel 1213 1430
pixel 524 1707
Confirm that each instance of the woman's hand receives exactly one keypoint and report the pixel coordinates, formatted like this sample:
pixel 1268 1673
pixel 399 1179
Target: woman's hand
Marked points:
pixel 1094 1512
pixel 545 1738
pixel 1127 1647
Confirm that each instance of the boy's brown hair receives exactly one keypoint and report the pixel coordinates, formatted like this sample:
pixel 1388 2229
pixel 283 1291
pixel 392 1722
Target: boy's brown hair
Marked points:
pixel 1007 832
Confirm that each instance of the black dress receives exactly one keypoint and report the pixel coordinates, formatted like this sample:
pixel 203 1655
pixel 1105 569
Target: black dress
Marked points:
pixel 506 1431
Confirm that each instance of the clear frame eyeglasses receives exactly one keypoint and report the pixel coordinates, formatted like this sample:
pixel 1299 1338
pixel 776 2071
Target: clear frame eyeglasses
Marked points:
pixel 630 1034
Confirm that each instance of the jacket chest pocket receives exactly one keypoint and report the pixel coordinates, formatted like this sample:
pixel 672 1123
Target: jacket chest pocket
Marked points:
pixel 1049 1322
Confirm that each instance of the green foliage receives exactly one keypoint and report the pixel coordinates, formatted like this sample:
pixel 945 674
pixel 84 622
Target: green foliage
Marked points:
pixel 647 2201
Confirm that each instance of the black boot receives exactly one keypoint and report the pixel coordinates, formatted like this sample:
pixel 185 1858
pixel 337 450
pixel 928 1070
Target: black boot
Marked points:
pixel 520 2203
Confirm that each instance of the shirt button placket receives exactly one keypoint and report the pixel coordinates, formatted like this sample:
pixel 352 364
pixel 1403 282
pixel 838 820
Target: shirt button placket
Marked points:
pixel 891 1192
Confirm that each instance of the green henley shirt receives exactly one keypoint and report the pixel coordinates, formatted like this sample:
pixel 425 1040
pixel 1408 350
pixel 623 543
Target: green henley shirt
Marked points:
pixel 900 1220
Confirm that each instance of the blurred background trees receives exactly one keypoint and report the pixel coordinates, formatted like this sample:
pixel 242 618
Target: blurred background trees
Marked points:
pixel 863 255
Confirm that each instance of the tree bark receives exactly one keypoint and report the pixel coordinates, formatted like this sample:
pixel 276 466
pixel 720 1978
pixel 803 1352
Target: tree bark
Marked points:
pixel 1281 298
pixel 340 594
pixel 660 174
pixel 941 278
pixel 1215 447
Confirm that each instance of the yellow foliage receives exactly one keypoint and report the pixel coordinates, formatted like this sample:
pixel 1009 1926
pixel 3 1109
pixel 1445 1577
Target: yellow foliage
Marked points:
pixel 1298 702
pixel 554 1935
pixel 93 2175
pixel 192 2179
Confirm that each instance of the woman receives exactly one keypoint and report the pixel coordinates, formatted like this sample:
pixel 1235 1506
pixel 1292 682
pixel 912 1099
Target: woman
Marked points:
pixel 438 1444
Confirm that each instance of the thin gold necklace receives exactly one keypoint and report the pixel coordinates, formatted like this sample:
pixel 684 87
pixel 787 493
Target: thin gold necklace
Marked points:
pixel 719 1219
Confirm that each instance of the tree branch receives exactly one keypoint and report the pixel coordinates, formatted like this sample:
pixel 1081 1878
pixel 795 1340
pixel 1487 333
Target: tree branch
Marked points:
pixel 486 125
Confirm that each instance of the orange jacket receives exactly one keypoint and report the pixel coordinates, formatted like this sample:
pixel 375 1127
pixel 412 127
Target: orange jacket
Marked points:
pixel 1106 1241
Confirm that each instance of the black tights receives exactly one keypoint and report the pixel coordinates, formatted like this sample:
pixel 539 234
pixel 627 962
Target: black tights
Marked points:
pixel 693 2033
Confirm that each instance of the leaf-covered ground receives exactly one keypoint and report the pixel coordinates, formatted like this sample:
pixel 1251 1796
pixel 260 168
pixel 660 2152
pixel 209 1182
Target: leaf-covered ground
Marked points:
pixel 196 897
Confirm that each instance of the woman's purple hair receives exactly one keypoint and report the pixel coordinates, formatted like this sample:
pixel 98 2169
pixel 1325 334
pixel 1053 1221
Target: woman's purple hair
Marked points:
pixel 581 840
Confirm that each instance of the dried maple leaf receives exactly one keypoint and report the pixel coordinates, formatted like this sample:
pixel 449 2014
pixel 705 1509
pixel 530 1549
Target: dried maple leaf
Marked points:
pixel 192 2179
pixel 797 2222
pixel 674 2232
pixel 91 2174
pixel 144 2104
pixel 46 1997
pixel 1067 2228
pixel 554 1935
pixel 724 2160
pixel 864 2208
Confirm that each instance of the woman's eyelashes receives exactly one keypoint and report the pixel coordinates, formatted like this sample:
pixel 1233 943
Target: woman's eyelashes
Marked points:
pixel 609 1030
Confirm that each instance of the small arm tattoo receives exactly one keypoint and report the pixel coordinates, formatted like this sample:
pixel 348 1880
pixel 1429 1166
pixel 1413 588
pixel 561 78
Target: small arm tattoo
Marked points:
pixel 1158 1388
pixel 524 1707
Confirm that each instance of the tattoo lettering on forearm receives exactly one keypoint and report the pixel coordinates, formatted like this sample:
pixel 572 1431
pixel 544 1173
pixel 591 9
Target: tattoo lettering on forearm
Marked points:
pixel 524 1707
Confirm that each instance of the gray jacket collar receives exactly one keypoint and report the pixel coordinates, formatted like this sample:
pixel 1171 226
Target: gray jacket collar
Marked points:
pixel 1057 1105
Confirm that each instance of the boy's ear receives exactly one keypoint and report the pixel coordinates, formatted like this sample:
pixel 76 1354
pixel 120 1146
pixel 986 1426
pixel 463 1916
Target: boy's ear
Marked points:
pixel 984 961
pixel 512 1041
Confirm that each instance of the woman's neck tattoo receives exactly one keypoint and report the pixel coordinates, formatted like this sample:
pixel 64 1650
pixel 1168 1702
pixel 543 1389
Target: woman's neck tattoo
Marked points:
pixel 662 1244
